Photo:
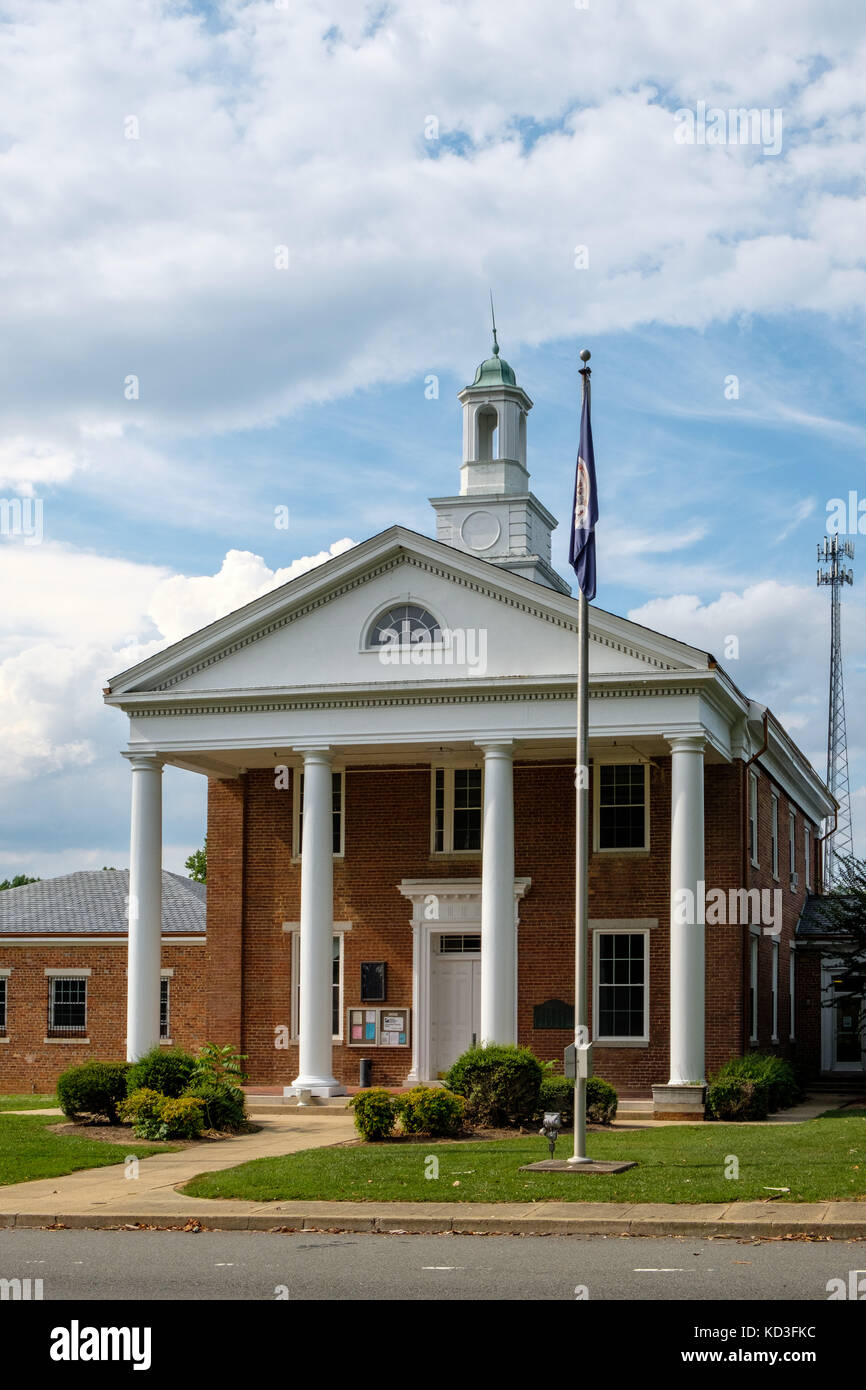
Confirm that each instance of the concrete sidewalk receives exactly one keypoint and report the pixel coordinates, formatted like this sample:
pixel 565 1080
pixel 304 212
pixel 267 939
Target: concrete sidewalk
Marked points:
pixel 106 1197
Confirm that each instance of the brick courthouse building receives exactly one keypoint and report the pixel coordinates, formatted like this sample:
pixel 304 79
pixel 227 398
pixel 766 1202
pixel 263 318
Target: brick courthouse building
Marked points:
pixel 389 747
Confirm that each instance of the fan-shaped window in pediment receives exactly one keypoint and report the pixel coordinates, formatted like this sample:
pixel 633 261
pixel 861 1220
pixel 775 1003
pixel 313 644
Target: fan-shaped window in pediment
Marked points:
pixel 404 625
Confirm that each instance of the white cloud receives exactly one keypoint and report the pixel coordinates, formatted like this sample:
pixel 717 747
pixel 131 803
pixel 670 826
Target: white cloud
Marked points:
pixel 154 256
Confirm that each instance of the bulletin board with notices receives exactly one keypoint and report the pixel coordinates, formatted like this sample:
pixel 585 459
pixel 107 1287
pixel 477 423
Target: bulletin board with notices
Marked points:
pixel 378 1027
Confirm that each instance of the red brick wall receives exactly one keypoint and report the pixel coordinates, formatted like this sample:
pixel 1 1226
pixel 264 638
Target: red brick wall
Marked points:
pixel 792 904
pixel 388 839
pixel 28 1063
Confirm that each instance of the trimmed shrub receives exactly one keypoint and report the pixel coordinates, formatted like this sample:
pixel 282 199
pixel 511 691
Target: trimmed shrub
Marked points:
pixel 164 1069
pixel 500 1084
pixel 557 1093
pixel 773 1085
pixel 601 1101
pixel 155 1116
pixel 143 1109
pixel 183 1118
pixel 737 1098
pixel 431 1110
pixel 224 1106
pixel 94 1088
pixel 376 1113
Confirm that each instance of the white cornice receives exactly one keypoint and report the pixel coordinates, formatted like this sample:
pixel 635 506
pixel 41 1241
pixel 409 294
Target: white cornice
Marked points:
pixel 394 547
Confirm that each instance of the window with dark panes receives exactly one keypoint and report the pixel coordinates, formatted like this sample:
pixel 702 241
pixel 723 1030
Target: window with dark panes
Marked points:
pixel 621 973
pixel 336 812
pixel 3 991
pixel 622 806
pixel 67 1008
pixel 467 808
pixel 335 986
pixel 163 1007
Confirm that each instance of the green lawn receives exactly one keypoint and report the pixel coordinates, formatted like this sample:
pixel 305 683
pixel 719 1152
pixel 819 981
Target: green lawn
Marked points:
pixel 28 1149
pixel 27 1102
pixel 817 1160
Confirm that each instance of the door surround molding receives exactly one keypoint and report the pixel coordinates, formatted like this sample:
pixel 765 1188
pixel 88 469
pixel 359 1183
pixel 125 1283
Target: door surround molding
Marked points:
pixel 440 905
pixel 828 1025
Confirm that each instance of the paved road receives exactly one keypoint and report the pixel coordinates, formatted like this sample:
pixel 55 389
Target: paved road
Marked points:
pixel 308 1265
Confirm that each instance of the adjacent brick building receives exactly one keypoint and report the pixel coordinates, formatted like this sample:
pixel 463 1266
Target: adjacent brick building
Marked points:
pixel 63 973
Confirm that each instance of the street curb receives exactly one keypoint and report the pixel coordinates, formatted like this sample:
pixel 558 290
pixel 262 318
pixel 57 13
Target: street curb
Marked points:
pixel 396 1222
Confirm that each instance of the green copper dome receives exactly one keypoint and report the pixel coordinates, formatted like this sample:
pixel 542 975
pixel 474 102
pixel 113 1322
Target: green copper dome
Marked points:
pixel 495 371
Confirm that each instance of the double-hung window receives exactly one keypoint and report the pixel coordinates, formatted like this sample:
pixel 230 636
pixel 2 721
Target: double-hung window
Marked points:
pixel 621 806
pixel 807 848
pixel 336 997
pixel 792 849
pixel 164 1015
pixel 458 799
pixel 338 802
pixel 4 989
pixel 67 1006
pixel 774 833
pixel 621 985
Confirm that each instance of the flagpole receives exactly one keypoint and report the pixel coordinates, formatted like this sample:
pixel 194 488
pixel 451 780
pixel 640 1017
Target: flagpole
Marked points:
pixel 581 883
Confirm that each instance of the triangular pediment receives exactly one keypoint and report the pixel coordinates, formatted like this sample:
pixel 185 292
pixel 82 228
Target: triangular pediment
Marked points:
pixel 311 632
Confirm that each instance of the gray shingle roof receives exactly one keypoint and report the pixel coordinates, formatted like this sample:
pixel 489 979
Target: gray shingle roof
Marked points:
pixel 94 901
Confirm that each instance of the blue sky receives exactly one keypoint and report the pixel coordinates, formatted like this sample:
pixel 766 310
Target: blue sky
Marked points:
pixel 180 152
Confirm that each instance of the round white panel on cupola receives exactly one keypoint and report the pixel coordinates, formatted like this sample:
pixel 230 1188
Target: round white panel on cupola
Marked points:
pixel 480 530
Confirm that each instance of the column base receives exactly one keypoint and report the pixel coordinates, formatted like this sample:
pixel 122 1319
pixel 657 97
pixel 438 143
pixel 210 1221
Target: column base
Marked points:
pixel 316 1087
pixel 679 1101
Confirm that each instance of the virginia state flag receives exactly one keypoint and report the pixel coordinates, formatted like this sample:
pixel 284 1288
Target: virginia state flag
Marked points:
pixel 584 514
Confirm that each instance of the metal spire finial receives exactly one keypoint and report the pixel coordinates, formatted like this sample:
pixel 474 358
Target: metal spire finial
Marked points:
pixel 493 318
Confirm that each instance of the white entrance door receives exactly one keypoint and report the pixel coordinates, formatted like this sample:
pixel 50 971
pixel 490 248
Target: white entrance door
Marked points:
pixel 455 999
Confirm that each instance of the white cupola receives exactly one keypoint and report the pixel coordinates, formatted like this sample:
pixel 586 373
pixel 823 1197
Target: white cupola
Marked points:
pixel 495 516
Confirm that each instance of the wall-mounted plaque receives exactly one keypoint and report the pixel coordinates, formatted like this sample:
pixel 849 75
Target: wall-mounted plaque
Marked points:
pixel 373 978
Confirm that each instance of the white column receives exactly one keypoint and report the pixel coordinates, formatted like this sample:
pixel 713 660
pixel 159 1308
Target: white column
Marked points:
pixel 498 929
pixel 145 905
pixel 687 937
pixel 317 929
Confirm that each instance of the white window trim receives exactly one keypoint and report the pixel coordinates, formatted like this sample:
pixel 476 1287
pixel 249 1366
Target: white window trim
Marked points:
pixel 774 833
pixel 297 774
pixel 56 974
pixel 294 928
pixel 753 981
pixel 597 765
pixel 364 641
pixel 448 851
pixel 807 847
pixel 166 975
pixel 792 848
pixel 4 981
pixel 610 930
pixel 792 992
pixel 774 988
pixel 753 816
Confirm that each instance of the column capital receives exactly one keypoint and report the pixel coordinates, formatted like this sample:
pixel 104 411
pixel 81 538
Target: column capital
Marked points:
pixel 144 762
pixel 496 747
pixel 686 743
pixel 314 752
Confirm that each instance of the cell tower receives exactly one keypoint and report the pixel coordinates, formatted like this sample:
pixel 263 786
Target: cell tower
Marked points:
pixel 832 554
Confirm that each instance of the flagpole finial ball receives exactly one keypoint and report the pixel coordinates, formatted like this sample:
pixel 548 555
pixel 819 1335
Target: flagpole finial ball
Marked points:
pixel 585 354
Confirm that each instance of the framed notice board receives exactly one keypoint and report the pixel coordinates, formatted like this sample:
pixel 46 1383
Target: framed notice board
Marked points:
pixel 393 1027
pixel 368 1027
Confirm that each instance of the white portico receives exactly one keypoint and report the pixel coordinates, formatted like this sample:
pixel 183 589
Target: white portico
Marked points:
pixel 454 661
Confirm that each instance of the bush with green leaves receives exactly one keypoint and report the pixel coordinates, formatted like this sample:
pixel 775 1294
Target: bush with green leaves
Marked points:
pixel 94 1088
pixel 224 1105
pixel 165 1069
pixel 557 1093
pixel 431 1110
pixel 219 1066
pixel 376 1113
pixel 748 1088
pixel 155 1116
pixel 500 1083
pixel 738 1098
